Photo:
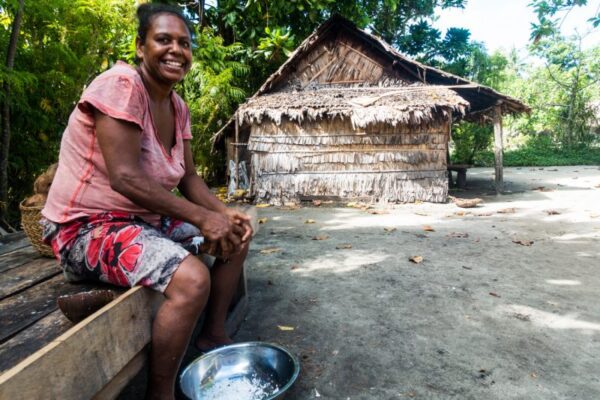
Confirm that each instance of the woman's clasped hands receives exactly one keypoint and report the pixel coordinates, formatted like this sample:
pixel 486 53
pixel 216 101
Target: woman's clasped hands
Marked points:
pixel 226 232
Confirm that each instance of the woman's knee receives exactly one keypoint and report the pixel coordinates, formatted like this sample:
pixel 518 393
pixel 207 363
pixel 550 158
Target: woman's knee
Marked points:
pixel 190 282
pixel 241 255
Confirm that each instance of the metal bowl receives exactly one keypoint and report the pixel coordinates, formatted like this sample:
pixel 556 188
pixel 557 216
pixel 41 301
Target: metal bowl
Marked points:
pixel 243 371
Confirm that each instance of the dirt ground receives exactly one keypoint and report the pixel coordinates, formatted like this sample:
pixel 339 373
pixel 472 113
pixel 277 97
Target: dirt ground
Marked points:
pixel 504 304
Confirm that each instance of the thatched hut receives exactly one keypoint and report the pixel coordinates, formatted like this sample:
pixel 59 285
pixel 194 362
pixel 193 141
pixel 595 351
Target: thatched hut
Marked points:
pixel 348 117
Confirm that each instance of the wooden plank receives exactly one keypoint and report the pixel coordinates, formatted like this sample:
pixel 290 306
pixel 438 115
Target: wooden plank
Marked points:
pixel 498 149
pixel 13 242
pixel 118 383
pixel 77 364
pixel 32 339
pixel 17 258
pixel 24 309
pixel 18 279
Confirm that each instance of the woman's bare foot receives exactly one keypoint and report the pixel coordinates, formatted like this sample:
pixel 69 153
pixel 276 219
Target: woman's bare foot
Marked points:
pixel 207 342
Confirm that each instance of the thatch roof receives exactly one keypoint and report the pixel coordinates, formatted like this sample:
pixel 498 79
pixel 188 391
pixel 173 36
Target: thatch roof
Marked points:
pixel 482 99
pixel 412 105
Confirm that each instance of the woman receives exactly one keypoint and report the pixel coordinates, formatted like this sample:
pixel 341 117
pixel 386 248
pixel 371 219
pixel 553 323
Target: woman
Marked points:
pixel 111 215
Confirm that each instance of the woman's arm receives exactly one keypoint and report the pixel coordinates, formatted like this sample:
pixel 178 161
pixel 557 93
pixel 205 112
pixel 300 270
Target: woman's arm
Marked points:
pixel 120 143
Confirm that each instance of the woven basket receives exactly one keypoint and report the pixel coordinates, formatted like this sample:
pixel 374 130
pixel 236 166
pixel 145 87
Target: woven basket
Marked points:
pixel 30 221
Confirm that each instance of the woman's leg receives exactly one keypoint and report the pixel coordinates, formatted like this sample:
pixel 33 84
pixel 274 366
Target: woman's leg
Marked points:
pixel 224 280
pixel 185 298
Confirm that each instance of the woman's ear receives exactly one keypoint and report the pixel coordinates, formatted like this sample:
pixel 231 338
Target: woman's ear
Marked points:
pixel 139 49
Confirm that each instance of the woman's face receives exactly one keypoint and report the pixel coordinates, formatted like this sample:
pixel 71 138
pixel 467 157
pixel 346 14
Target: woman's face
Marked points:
pixel 167 52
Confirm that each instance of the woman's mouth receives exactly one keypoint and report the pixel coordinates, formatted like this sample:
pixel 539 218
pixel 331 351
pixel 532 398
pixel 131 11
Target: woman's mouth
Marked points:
pixel 173 64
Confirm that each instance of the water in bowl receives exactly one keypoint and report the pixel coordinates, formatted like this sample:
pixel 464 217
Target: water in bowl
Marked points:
pixel 239 388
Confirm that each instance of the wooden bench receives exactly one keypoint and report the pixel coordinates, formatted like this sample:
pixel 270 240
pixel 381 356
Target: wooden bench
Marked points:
pixel 461 175
pixel 43 355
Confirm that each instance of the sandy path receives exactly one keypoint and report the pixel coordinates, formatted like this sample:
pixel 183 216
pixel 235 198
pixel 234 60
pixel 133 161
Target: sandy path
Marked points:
pixel 482 317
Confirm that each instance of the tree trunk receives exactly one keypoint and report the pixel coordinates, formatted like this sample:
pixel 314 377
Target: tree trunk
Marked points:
pixel 498 149
pixel 5 138
pixel 201 14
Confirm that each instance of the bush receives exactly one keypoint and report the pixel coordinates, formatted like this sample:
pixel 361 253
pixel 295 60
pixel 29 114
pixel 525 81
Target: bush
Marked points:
pixel 541 151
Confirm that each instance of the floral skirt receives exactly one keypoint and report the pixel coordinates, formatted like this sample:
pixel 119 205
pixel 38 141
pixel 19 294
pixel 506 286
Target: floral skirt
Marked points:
pixel 122 249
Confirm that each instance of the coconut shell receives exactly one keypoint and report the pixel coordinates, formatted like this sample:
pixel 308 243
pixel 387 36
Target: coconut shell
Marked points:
pixel 36 200
pixel 467 203
pixel 43 182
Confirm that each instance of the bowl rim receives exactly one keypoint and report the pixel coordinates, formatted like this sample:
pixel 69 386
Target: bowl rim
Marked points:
pixel 250 344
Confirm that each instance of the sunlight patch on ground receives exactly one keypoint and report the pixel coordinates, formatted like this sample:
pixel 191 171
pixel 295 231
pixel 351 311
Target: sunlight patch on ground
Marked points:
pixel 576 236
pixel 545 319
pixel 352 219
pixel 563 282
pixel 340 263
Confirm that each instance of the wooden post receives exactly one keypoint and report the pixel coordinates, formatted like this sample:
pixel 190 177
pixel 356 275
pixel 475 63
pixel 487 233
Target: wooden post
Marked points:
pixel 237 153
pixel 498 148
pixel 450 183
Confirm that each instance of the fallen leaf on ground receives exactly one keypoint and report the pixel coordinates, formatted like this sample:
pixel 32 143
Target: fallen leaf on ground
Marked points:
pixel 320 237
pixel 293 267
pixel 543 189
pixel 389 229
pixel 552 212
pixel 309 221
pixel 467 203
pixel 317 203
pixel 458 235
pixel 428 228
pixel 523 242
pixel 465 267
pixel 285 328
pixel 494 294
pixel 507 211
pixel 239 193
pixel 416 259
pixel 423 214
pixel 378 212
pixel 522 317
pixel 460 213
pixel 262 205
pixel 421 235
pixel 597 186
pixel 343 246
pixel 533 375
pixel 485 214
pixel 270 250
pixel 263 220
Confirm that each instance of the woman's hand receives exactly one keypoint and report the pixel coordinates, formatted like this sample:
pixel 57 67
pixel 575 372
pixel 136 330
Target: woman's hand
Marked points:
pixel 220 228
pixel 242 221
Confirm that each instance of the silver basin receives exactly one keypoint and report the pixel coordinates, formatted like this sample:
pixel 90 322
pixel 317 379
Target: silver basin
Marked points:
pixel 243 371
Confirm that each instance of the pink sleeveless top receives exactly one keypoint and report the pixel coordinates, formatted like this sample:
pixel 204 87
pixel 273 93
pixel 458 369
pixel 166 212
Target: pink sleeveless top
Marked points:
pixel 81 186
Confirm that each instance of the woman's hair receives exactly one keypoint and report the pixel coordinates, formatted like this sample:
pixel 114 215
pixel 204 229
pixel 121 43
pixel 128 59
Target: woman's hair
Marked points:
pixel 148 11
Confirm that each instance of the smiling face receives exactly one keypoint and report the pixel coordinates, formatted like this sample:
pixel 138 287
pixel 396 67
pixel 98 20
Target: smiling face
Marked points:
pixel 166 54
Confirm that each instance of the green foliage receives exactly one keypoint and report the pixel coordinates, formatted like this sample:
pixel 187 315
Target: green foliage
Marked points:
pixel 63 44
pixel 542 151
pixel 212 90
pixel 469 139
pixel 560 93
pixel 276 46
